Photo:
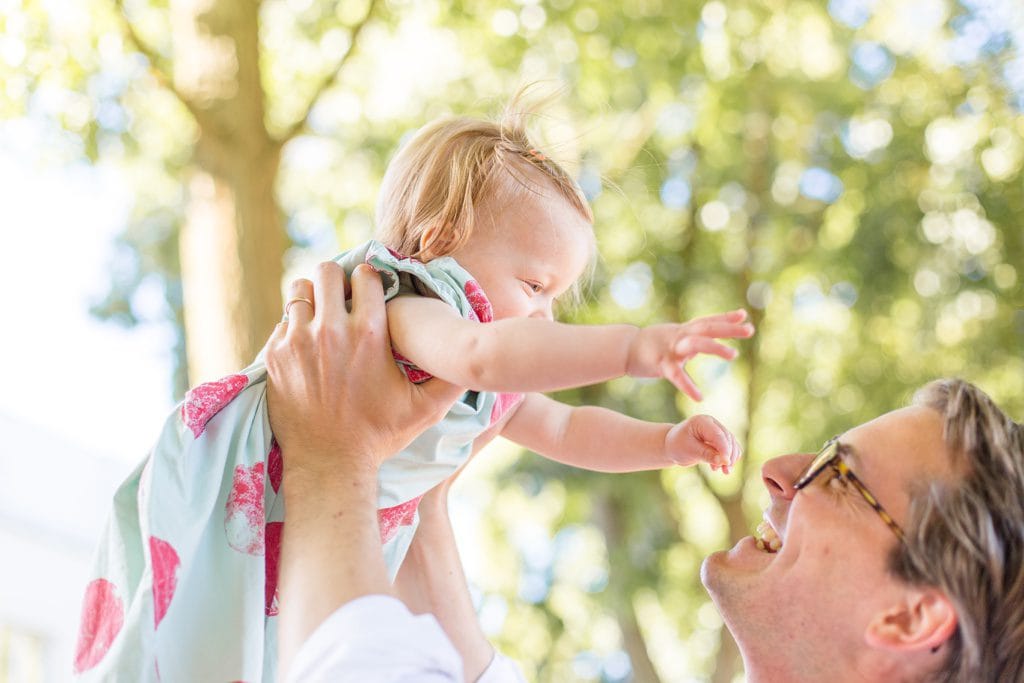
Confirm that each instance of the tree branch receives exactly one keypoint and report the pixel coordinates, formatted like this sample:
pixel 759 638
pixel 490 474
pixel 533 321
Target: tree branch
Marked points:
pixel 329 80
pixel 156 67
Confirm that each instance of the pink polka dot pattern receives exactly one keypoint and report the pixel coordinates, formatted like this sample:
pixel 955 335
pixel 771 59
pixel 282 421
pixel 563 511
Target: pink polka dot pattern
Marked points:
pixel 273 559
pixel 203 402
pixel 102 619
pixel 275 467
pixel 503 403
pixel 390 519
pixel 412 373
pixel 478 300
pixel 165 576
pixel 243 512
pixel 400 257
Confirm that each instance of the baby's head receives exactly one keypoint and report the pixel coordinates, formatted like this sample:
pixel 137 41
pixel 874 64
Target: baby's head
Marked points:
pixel 482 193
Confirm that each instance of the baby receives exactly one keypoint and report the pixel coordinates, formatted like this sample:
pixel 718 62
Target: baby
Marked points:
pixel 479 236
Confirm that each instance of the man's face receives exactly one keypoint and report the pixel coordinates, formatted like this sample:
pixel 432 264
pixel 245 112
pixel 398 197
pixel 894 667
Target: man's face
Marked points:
pixel 801 613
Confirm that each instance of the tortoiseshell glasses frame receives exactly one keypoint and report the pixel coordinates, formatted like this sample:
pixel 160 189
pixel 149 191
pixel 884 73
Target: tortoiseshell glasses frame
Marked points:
pixel 831 456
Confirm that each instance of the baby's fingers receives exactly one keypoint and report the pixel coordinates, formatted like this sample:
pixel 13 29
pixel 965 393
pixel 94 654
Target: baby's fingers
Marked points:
pixel 675 373
pixel 688 347
pixel 734 452
pixel 737 315
pixel 722 329
pixel 711 432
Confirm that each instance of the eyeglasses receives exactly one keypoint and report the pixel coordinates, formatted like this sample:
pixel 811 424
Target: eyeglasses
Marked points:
pixel 831 457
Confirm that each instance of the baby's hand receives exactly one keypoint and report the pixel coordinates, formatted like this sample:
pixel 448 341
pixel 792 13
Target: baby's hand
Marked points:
pixel 662 350
pixel 702 438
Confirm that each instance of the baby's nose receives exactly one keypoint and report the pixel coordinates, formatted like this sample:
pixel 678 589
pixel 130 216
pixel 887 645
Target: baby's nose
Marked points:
pixel 543 313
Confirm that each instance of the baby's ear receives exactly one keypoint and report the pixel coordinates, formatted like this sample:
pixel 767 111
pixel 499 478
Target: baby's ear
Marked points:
pixel 428 238
pixel 924 620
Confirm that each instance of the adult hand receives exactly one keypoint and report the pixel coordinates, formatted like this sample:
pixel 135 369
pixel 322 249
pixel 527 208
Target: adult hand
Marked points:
pixel 338 406
pixel 337 400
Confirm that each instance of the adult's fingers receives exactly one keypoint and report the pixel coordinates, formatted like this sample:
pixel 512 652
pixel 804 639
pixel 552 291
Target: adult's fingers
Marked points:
pixel 299 306
pixel 280 330
pixel 366 285
pixel 329 287
pixel 368 298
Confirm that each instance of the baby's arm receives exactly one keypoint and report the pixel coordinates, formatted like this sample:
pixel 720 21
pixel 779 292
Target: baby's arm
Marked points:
pixel 606 441
pixel 529 354
pixel 515 354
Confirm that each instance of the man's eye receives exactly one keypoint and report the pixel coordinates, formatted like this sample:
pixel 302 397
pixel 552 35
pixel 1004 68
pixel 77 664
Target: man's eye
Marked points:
pixel 837 481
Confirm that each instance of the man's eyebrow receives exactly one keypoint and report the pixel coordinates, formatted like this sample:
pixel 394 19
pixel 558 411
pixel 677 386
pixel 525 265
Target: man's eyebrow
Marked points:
pixel 849 454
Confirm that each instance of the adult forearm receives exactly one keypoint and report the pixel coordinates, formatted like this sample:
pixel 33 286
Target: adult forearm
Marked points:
pixel 330 552
pixel 432 580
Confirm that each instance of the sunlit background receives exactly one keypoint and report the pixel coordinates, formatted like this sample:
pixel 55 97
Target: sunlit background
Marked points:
pixel 849 171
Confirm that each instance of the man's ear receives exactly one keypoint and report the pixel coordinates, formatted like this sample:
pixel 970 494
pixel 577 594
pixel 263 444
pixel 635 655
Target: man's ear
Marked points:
pixel 924 620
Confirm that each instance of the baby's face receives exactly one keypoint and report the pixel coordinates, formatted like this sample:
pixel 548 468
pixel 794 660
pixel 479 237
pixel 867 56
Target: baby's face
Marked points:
pixel 528 254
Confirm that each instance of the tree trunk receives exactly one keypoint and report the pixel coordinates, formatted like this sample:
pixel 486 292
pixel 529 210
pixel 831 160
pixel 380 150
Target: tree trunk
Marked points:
pixel 233 239
pixel 727 662
pixel 758 183
pixel 609 516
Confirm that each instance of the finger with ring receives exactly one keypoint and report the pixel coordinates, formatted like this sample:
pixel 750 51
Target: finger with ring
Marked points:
pixel 297 299
pixel 299 292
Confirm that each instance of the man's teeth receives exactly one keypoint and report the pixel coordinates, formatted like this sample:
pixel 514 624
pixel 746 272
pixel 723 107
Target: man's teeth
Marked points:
pixel 767 539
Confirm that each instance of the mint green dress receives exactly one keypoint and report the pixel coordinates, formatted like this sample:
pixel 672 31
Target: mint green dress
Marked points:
pixel 184 584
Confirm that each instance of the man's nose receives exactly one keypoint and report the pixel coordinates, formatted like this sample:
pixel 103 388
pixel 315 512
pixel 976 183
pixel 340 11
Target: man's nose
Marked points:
pixel 780 474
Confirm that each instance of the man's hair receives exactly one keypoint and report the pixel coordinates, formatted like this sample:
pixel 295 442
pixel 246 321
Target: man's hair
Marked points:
pixel 439 178
pixel 966 536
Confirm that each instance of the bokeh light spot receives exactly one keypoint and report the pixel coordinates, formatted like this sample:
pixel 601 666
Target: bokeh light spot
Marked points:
pixel 714 215
pixel 675 193
pixel 818 183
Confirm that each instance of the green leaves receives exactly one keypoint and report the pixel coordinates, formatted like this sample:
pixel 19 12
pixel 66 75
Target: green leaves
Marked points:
pixel 853 178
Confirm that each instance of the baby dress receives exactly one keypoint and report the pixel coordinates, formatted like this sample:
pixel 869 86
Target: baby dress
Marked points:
pixel 184 586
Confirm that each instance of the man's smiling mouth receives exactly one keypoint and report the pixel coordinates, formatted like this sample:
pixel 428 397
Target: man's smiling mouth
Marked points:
pixel 767 539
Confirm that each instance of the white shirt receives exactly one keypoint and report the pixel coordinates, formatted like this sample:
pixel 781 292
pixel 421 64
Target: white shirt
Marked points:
pixel 376 638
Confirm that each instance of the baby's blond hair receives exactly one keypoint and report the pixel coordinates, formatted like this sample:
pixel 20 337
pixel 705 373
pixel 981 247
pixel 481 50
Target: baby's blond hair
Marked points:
pixel 439 179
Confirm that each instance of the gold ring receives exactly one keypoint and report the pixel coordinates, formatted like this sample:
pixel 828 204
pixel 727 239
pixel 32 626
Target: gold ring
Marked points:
pixel 296 299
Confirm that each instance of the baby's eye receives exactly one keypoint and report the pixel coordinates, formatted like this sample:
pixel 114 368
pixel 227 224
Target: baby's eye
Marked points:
pixel 535 287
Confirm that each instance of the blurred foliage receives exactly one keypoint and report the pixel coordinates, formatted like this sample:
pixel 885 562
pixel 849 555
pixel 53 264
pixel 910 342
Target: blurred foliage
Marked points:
pixel 849 172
